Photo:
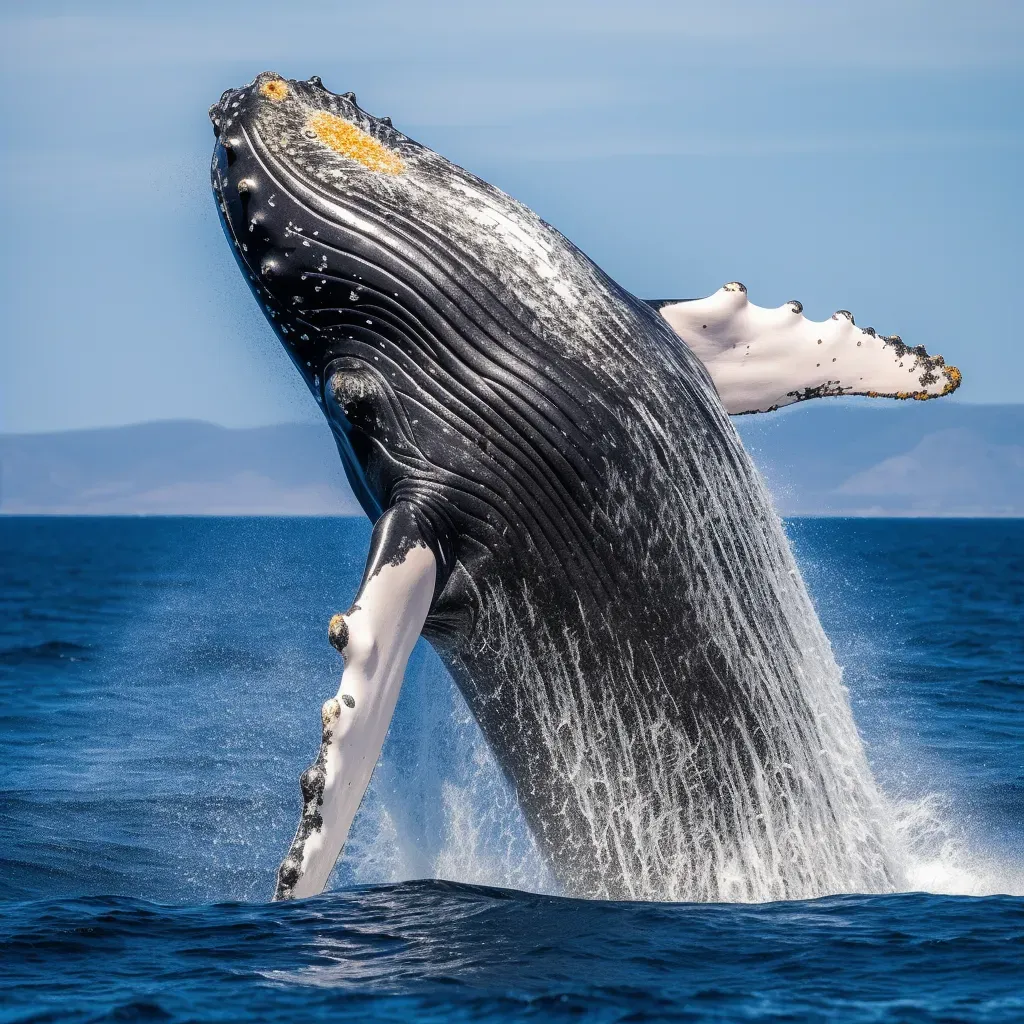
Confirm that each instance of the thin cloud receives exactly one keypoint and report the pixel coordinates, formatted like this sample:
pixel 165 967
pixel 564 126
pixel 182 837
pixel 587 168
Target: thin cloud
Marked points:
pixel 872 33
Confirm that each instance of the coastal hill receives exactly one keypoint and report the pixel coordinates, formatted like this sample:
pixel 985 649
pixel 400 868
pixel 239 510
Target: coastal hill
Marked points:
pixel 862 457
pixel 175 467
pixel 837 458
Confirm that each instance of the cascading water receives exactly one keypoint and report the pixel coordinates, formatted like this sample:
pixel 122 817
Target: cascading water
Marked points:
pixel 719 759
pixel 439 807
pixel 801 815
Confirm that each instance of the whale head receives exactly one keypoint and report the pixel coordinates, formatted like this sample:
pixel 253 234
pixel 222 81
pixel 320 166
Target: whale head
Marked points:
pixel 423 307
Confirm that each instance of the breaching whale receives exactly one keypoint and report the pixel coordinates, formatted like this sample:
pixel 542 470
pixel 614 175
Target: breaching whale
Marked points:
pixel 564 510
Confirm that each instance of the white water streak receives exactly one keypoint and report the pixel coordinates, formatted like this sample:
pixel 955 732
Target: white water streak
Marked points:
pixel 440 808
pixel 807 820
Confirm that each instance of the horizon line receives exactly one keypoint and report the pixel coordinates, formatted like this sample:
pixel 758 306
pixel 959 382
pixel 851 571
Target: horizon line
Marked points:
pixel 843 402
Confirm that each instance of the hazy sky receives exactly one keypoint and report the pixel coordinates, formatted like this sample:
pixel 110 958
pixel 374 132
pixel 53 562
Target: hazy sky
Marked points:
pixel 863 155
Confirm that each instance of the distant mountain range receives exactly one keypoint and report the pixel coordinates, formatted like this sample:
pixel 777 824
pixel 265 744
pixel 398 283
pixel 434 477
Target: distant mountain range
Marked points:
pixel 862 457
pixel 175 467
pixel 840 457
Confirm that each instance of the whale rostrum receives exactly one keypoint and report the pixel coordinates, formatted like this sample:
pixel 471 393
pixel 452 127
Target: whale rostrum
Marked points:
pixel 562 507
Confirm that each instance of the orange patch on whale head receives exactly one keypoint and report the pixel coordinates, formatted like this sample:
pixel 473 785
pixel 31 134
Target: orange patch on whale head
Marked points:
pixel 353 142
pixel 275 89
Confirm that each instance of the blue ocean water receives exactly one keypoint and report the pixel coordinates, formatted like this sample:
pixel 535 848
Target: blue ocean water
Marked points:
pixel 160 685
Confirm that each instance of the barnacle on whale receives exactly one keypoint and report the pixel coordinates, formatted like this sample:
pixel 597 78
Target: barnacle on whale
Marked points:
pixel 337 633
pixel 276 89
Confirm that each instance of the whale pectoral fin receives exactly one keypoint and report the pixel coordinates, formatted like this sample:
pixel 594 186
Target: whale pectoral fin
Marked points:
pixel 376 636
pixel 762 359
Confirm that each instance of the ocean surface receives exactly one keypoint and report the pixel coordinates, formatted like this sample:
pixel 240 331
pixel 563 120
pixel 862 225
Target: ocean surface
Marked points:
pixel 160 686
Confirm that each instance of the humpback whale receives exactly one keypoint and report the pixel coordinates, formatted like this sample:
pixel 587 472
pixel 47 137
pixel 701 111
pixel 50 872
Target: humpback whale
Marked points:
pixel 563 508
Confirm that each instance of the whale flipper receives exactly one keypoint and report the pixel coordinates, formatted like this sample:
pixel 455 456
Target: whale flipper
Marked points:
pixel 762 359
pixel 376 636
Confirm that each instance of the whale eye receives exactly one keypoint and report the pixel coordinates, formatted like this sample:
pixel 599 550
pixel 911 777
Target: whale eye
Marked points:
pixel 275 89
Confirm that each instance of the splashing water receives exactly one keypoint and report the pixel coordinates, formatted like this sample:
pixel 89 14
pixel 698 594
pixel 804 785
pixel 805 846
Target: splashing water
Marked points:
pixel 439 807
pixel 199 807
pixel 808 818
pixel 939 857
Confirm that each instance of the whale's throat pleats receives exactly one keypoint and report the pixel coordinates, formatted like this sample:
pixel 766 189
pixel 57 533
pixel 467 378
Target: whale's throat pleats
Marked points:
pixel 690 739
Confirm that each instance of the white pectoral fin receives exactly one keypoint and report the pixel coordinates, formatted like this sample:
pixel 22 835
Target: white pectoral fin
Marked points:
pixel 762 359
pixel 376 637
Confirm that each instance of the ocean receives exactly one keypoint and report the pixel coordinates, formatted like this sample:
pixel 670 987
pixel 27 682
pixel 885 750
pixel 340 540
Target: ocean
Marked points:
pixel 161 681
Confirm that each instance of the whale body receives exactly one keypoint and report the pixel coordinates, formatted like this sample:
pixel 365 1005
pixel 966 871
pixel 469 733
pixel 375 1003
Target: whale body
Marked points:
pixel 564 510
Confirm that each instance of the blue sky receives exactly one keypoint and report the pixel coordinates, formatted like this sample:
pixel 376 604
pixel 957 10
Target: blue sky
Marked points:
pixel 865 156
